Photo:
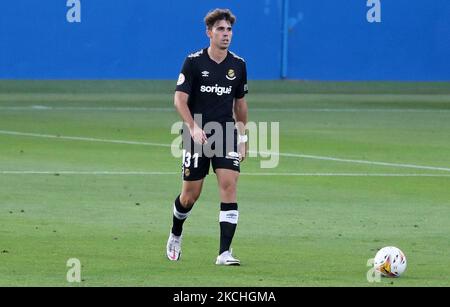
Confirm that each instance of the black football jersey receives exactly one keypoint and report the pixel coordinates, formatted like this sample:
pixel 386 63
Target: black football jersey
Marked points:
pixel 212 87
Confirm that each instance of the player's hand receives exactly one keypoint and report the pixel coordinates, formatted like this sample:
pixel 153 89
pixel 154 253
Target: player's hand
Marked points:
pixel 242 151
pixel 198 135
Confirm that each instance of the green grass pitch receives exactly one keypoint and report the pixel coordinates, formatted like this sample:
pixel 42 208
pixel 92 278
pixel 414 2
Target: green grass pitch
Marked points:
pixel 313 222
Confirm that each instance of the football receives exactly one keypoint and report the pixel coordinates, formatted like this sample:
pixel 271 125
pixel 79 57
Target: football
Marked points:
pixel 390 261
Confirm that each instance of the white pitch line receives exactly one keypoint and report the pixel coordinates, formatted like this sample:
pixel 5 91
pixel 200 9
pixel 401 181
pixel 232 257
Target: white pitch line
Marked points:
pixel 350 110
pixel 77 138
pixel 26 172
pixel 56 108
pixel 142 173
pixel 264 154
pixel 167 109
pixel 400 165
pixel 346 174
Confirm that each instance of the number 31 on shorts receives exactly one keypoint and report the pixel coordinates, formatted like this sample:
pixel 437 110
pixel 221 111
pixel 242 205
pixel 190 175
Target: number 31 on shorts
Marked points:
pixel 187 157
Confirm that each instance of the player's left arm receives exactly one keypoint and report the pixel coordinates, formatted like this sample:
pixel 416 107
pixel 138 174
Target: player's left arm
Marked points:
pixel 241 114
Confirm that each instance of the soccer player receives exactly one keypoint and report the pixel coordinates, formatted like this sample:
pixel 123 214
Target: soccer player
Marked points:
pixel 211 86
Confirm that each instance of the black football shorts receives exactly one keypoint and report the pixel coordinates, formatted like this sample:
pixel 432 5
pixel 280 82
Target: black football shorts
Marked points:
pixel 198 158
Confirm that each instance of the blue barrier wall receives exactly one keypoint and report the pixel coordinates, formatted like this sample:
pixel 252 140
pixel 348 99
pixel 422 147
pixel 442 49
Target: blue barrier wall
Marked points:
pixel 127 39
pixel 332 40
pixel 327 39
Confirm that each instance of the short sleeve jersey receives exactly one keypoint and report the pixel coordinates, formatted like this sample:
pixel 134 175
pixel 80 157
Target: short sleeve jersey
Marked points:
pixel 211 86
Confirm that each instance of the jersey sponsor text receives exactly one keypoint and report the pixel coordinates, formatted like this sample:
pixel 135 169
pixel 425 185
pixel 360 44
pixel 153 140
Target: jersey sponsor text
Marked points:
pixel 219 90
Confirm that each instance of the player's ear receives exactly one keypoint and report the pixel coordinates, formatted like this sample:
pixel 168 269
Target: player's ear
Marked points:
pixel 208 32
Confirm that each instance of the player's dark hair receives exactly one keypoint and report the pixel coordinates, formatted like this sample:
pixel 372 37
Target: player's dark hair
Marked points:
pixel 219 14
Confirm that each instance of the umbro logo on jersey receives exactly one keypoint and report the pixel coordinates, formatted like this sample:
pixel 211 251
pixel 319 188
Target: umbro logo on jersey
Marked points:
pixel 219 90
pixel 231 75
pixel 205 74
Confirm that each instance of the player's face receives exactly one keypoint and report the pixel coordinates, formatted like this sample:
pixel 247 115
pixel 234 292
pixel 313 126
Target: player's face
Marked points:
pixel 220 34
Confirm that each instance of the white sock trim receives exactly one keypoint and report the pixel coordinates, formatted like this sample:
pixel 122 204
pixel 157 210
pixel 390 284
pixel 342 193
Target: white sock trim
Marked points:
pixel 230 216
pixel 180 215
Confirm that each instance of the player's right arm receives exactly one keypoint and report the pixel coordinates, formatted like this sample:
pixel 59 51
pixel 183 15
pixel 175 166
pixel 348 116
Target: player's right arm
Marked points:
pixel 183 90
pixel 181 104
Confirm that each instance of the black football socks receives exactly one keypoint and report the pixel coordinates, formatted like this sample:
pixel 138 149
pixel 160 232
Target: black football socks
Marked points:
pixel 228 220
pixel 180 214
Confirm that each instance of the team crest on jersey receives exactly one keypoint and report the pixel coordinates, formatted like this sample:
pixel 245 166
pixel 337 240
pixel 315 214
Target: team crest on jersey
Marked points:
pixel 187 172
pixel 205 73
pixel 231 75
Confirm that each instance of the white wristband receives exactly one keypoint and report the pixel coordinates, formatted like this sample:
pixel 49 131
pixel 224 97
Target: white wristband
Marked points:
pixel 243 138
